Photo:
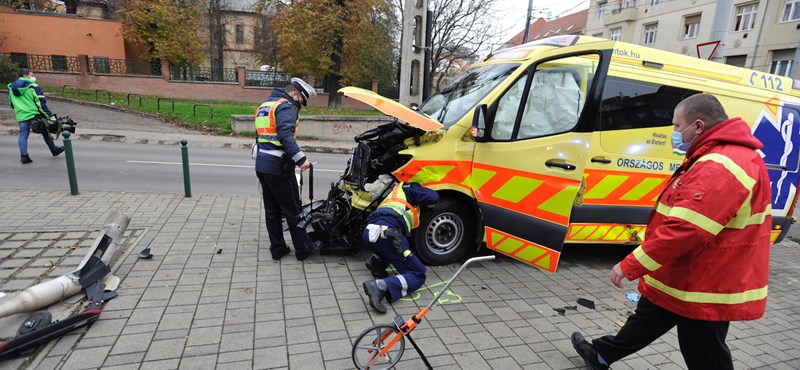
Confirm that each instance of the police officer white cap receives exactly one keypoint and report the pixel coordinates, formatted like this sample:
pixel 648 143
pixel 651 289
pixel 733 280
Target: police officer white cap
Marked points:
pixel 304 88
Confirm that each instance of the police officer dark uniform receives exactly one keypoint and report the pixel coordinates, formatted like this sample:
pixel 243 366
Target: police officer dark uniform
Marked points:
pixel 278 154
pixel 386 234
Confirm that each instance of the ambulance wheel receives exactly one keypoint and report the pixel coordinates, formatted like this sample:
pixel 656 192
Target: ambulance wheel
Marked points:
pixel 445 233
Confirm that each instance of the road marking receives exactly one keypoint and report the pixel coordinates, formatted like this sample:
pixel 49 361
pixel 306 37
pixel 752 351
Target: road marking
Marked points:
pixel 215 165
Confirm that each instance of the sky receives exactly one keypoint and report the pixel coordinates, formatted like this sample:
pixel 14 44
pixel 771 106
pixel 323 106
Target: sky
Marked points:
pixel 514 12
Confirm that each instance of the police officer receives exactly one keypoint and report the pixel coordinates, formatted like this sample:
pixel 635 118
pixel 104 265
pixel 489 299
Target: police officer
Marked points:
pixel 28 101
pixel 386 234
pixel 278 154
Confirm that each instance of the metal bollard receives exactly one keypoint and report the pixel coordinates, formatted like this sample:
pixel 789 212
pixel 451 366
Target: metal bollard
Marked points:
pixel 187 183
pixel 73 177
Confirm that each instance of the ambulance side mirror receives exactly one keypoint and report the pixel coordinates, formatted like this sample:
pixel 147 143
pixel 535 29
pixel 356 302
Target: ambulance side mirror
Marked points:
pixel 478 129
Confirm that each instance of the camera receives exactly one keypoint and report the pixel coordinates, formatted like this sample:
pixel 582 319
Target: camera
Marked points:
pixel 63 124
pixel 41 125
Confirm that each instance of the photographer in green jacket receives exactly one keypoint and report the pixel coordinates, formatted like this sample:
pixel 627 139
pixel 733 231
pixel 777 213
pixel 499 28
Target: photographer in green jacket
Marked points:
pixel 28 101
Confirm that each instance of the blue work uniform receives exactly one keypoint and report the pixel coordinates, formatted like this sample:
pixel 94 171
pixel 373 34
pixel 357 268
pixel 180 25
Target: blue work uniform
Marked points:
pixel 278 154
pixel 411 271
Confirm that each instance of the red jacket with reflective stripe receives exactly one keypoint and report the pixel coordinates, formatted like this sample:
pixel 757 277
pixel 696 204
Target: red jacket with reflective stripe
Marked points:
pixel 706 249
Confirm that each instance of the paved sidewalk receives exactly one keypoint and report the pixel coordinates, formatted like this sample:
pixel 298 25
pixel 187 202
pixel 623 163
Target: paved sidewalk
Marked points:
pixel 212 298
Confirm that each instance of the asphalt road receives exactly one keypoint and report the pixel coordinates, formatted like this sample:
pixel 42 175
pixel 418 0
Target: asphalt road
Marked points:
pixel 146 167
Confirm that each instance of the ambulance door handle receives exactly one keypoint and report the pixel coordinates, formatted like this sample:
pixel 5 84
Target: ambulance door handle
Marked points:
pixel 566 166
pixel 603 160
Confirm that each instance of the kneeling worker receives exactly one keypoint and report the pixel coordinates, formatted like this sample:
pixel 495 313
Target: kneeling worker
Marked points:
pixel 386 234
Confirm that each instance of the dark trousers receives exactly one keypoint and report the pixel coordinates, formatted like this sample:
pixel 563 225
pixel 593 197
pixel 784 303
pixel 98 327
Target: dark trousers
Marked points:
pixel 410 271
pixel 282 198
pixel 702 342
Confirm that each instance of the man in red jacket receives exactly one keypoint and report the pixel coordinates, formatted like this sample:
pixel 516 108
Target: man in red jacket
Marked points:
pixel 705 259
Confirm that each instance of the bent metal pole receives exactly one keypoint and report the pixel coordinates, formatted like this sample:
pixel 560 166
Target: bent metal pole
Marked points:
pixel 52 291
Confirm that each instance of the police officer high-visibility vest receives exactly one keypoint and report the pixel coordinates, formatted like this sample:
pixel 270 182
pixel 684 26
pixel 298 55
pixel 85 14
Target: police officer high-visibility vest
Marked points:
pixel 396 201
pixel 266 126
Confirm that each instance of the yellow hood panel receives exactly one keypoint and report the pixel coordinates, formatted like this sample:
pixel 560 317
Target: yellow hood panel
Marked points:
pixel 391 108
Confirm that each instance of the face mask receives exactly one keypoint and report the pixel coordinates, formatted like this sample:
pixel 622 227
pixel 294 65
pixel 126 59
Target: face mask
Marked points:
pixel 677 140
pixel 33 79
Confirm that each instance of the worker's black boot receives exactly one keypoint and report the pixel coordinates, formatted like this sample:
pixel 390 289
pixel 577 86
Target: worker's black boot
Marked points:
pixel 25 159
pixel 376 295
pixel 375 266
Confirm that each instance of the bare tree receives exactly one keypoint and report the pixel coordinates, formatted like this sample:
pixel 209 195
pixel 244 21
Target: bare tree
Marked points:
pixel 266 42
pixel 461 29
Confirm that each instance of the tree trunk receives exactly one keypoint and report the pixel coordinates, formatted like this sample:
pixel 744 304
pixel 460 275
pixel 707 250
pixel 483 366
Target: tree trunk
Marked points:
pixel 332 79
pixel 332 83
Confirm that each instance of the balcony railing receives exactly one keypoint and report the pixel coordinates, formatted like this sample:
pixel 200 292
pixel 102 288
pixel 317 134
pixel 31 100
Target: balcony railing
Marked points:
pixel 51 63
pixel 99 65
pixel 187 73
pixel 267 79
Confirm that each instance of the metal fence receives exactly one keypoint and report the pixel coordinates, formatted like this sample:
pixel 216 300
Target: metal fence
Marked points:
pixel 267 79
pixel 52 63
pixel 124 66
pixel 186 73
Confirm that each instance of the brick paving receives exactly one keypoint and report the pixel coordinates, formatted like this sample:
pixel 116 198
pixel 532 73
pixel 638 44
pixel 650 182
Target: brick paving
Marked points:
pixel 213 298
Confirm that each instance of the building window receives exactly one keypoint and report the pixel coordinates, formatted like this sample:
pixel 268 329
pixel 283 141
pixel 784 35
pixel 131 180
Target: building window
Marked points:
pixel 599 34
pixel 736 60
pixel 629 4
pixel 745 17
pixel 59 62
pixel 616 33
pixel 791 10
pixel 691 25
pixel 782 62
pixel 601 9
pixel 239 34
pixel 654 2
pixel 650 33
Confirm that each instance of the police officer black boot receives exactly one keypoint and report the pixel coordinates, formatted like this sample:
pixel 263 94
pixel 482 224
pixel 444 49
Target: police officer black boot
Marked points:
pixel 375 266
pixel 59 150
pixel 375 294
pixel 25 159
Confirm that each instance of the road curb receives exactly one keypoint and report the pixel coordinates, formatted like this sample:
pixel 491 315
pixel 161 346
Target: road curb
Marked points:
pixel 307 146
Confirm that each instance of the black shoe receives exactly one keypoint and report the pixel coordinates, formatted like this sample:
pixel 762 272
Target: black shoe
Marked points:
pixel 375 266
pixel 279 254
pixel 587 352
pixel 59 150
pixel 25 159
pixel 375 295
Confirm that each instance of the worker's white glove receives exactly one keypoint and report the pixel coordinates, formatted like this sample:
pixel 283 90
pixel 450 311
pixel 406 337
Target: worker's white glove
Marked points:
pixel 375 232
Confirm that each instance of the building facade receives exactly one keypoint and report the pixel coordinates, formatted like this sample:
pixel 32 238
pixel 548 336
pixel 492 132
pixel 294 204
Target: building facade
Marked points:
pixel 761 35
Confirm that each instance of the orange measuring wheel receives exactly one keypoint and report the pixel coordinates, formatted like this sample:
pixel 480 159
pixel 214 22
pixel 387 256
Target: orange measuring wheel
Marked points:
pixel 380 347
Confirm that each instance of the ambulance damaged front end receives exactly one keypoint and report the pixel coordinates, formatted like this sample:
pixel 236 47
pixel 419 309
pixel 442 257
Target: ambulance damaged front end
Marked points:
pixel 338 220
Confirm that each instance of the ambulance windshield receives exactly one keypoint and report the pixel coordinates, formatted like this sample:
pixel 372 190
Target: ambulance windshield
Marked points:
pixel 461 96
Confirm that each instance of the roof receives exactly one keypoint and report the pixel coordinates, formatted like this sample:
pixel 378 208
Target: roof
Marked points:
pixel 572 24
pixel 240 5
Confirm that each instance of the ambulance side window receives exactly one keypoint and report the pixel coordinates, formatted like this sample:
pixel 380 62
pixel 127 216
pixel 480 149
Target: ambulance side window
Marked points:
pixel 507 109
pixel 630 104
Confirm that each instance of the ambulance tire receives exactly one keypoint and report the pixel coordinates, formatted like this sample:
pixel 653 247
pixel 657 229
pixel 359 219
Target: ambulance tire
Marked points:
pixel 445 233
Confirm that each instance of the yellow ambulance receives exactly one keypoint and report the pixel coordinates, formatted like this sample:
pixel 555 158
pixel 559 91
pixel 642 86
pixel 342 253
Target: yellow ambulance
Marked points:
pixel 563 140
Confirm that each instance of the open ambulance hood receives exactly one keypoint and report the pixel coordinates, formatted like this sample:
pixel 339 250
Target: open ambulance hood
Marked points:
pixel 392 108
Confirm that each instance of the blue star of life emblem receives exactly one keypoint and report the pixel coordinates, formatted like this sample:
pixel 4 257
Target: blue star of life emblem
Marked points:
pixel 780 135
